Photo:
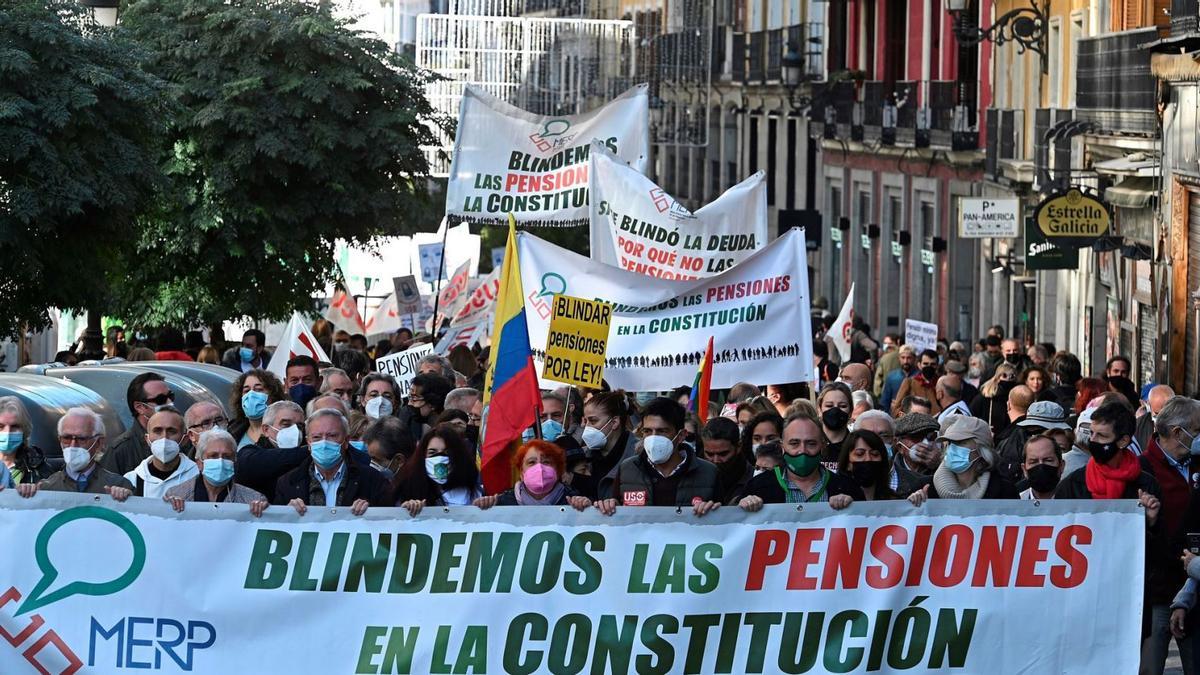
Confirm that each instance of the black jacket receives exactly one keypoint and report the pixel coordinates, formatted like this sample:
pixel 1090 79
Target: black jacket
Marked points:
pixel 127 451
pixel 1074 486
pixel 357 483
pixel 259 467
pixel 998 487
pixel 1010 450
pixel 766 486
pixel 638 483
pixel 732 486
pixel 34 466
pixel 909 481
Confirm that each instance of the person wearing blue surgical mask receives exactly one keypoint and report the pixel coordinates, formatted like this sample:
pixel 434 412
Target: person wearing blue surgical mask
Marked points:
pixel 249 355
pixel 19 458
pixel 326 478
pixel 251 394
pixel 216 452
pixel 967 468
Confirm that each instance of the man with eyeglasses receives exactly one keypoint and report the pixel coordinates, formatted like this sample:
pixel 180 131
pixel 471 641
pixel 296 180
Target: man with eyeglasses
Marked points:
pixel 81 435
pixel 201 417
pixel 918 452
pixel 802 478
pixel 146 394
pixel 325 478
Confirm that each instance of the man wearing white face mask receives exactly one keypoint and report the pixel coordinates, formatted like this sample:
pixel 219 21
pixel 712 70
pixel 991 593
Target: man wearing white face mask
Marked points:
pixel 280 449
pixel 917 451
pixel 666 472
pixel 81 434
pixel 166 467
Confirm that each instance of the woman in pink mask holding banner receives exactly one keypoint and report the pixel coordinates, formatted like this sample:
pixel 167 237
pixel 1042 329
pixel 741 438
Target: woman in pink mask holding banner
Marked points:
pixel 541 466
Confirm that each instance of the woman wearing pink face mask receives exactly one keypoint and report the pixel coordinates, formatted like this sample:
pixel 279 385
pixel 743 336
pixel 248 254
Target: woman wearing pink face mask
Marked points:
pixel 541 466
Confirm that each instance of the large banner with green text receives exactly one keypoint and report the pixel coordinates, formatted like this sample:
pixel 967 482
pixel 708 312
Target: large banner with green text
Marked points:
pixel 951 587
pixel 507 160
pixel 757 313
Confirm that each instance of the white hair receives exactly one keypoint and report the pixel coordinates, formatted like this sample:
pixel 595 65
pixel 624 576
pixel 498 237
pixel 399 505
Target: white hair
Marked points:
pixel 875 415
pixel 328 412
pixel 80 411
pixel 215 434
pixel 859 397
pixel 337 403
pixel 277 407
pixel 460 396
pixel 13 405
pixel 194 410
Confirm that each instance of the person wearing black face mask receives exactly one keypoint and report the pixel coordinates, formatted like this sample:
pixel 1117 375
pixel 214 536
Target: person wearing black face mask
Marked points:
pixel 1042 467
pixel 864 458
pixel 922 384
pixel 834 404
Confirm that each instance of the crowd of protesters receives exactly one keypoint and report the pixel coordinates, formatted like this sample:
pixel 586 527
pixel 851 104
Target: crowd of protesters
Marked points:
pixel 997 419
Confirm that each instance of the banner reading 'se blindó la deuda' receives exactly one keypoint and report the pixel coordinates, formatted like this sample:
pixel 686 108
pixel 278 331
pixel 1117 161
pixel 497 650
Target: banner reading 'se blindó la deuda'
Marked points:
pixel 757 312
pixel 637 226
pixel 957 586
pixel 508 160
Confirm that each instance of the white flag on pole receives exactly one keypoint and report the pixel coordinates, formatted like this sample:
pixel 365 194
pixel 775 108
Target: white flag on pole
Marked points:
pixel 297 340
pixel 843 326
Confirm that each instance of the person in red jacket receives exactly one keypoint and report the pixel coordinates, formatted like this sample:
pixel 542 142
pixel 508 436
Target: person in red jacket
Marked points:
pixel 1170 458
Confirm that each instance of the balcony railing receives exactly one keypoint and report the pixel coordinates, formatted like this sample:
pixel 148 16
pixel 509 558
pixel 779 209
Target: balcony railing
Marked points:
pixel 1115 90
pixel 755 58
pixel 774 54
pixel 809 39
pixel 878 100
pixel 1185 17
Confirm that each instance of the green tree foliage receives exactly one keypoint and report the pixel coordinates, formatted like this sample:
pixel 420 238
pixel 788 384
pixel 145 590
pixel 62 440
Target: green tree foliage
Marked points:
pixel 80 128
pixel 295 131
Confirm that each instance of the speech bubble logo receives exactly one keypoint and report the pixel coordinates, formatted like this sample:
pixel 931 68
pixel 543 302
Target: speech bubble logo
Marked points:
pixel 554 128
pixel 39 597
pixel 550 288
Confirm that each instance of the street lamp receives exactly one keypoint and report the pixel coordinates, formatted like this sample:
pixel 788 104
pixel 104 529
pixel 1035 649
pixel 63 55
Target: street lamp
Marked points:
pixel 794 65
pixel 103 11
pixel 1025 25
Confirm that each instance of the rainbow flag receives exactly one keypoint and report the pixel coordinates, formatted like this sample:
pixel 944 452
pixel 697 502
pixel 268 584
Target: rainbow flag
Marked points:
pixel 698 400
pixel 512 402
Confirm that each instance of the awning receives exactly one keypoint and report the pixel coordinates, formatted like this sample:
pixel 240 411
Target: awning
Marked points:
pixel 1132 193
pixel 1134 164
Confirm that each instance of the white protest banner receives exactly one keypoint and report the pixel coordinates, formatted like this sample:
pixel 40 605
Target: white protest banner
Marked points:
pixel 960 586
pixel 386 319
pixel 920 335
pixel 343 312
pixel 637 226
pixel 758 313
pixel 985 217
pixel 297 340
pixel 403 366
pixel 507 160
pixel 465 334
pixel 843 326
pixel 453 295
pixel 481 300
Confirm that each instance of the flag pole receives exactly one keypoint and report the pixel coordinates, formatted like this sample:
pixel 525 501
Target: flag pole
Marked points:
pixel 437 291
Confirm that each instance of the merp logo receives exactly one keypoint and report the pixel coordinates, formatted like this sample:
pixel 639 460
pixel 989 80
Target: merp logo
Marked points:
pixel 47 650
pixel 552 136
pixel 140 643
